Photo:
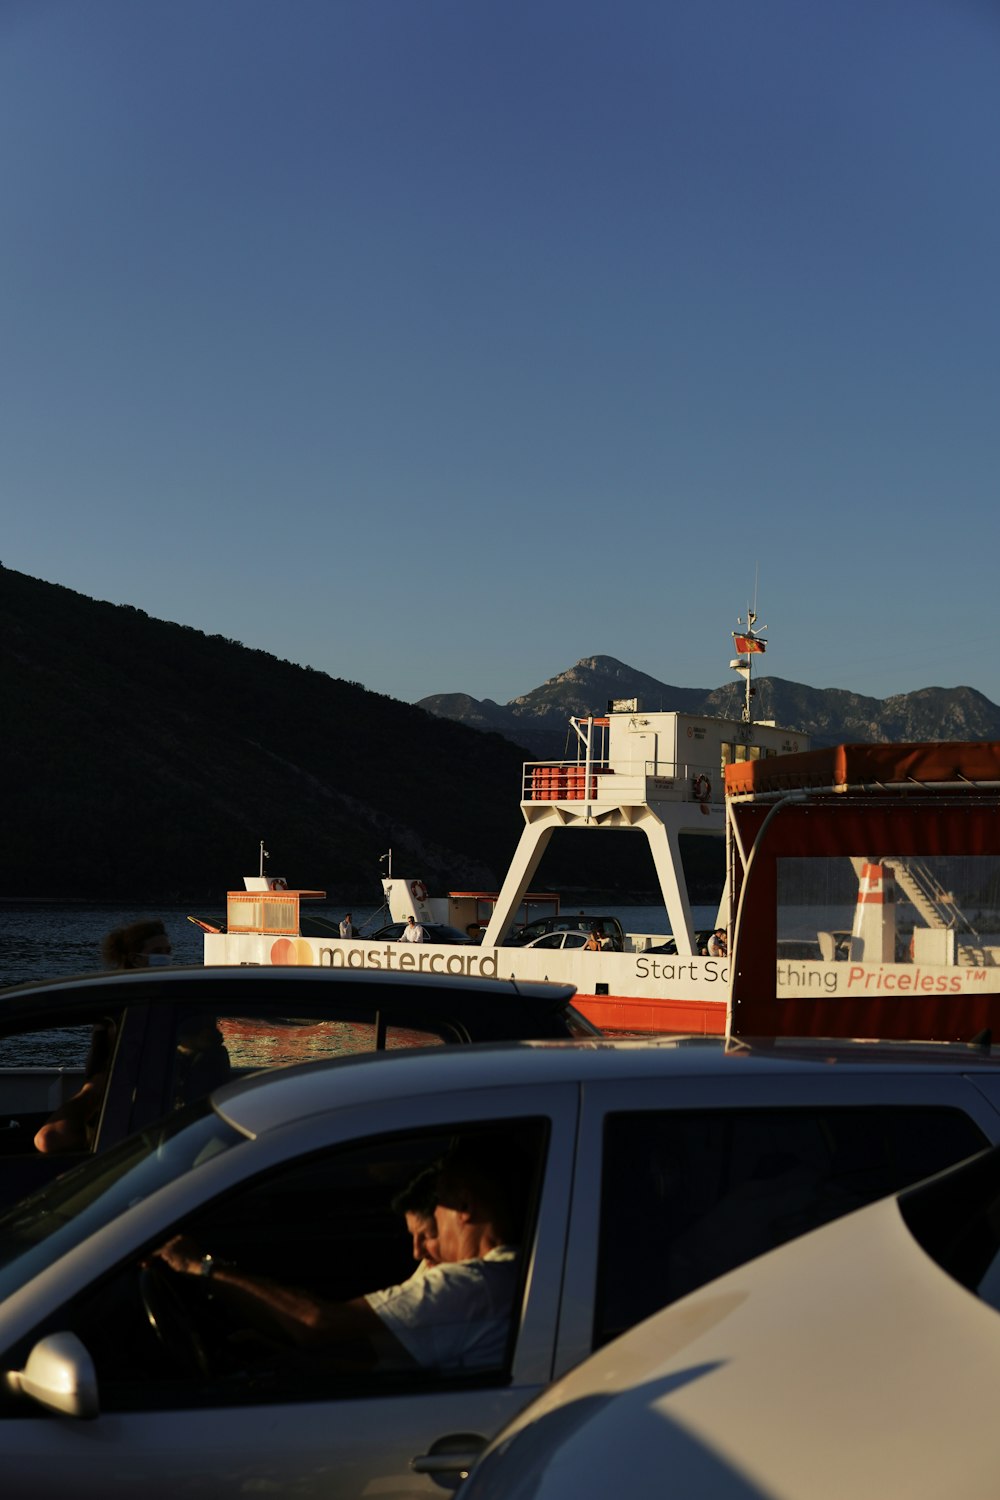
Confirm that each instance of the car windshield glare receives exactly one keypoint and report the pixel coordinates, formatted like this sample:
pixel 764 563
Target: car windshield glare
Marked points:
pixel 38 1229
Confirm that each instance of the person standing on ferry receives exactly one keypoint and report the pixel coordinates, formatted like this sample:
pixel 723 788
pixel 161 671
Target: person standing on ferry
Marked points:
pixel 347 927
pixel 717 945
pixel 412 932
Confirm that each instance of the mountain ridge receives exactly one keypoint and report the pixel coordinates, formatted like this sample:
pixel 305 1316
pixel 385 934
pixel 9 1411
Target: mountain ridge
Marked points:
pixel 828 715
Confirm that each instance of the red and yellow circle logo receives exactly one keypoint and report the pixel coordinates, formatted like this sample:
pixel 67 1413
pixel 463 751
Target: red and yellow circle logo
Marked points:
pixel 295 951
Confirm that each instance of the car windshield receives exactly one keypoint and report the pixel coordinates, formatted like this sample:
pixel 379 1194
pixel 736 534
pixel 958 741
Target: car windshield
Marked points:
pixel 955 1218
pixel 51 1222
pixel 578 1024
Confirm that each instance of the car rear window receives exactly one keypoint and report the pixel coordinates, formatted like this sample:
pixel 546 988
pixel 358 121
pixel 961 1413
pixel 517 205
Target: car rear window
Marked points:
pixel 688 1195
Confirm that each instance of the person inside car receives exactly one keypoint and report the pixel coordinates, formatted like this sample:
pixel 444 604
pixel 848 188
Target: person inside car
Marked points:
pixel 454 1317
pixel 202 1060
pixel 416 1203
pixel 73 1126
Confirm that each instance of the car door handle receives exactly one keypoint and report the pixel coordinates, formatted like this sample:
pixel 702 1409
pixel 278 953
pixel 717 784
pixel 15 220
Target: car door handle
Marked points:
pixel 450 1455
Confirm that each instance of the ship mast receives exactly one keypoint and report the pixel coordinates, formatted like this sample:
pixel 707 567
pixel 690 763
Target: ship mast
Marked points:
pixel 749 643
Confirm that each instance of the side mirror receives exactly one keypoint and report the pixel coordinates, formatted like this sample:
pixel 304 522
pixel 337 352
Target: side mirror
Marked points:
pixel 60 1375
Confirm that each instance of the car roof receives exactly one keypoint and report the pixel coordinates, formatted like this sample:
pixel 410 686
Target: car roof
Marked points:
pixel 266 1101
pixel 199 983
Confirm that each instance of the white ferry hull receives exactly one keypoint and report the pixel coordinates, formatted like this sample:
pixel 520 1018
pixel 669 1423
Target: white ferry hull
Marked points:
pixel 643 992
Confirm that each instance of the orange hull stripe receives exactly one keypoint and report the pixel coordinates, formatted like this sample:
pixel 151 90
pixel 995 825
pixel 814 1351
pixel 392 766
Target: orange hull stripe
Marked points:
pixel 627 1013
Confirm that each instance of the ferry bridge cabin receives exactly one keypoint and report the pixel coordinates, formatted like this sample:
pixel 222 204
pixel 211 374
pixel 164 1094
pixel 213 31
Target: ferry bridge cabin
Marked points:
pixel 658 774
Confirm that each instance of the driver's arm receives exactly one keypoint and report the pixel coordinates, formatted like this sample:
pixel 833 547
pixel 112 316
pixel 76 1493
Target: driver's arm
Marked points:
pixel 352 1329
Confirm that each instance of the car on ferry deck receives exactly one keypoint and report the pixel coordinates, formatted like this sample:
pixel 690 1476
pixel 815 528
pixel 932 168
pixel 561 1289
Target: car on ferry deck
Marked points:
pixel 609 928
pixel 643 1171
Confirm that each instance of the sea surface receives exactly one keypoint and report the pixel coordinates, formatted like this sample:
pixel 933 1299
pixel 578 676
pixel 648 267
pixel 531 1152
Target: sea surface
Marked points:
pixel 46 940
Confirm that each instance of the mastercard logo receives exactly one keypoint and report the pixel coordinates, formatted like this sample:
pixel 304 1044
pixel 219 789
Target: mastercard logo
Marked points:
pixel 291 951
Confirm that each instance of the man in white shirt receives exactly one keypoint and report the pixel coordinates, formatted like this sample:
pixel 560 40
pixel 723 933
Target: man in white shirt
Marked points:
pixel 717 946
pixel 455 1316
pixel 412 932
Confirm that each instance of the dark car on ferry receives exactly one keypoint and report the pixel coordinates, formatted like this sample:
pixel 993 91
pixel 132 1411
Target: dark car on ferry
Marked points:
pixel 146 1041
pixel 434 932
pixel 701 941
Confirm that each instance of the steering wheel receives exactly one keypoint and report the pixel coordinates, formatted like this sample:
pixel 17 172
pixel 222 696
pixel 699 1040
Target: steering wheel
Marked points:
pixel 176 1317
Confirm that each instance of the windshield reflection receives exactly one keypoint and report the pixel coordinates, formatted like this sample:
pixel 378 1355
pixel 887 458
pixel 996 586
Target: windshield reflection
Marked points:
pixel 38 1229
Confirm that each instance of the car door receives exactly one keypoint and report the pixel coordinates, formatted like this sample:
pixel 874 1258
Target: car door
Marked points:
pixel 307 1213
pixel 710 1172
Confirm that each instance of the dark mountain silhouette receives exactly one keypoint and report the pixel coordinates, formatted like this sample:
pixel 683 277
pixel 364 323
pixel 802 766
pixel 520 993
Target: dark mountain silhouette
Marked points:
pixel 830 716
pixel 145 760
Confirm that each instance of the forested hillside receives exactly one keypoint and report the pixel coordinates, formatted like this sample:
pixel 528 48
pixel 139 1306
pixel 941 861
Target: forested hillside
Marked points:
pixel 143 759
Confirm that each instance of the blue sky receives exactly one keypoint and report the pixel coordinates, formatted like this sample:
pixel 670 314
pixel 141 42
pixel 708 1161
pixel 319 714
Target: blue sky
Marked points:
pixel 440 343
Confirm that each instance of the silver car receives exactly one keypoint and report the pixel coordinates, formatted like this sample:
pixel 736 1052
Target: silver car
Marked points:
pixel 862 1360
pixel 642 1172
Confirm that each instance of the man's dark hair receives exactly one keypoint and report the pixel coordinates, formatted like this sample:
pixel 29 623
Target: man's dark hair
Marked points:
pixel 418 1196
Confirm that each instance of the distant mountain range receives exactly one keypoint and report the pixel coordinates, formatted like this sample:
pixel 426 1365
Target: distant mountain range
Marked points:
pixel 830 716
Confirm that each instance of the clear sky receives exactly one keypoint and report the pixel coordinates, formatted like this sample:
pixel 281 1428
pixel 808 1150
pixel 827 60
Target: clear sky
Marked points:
pixel 439 343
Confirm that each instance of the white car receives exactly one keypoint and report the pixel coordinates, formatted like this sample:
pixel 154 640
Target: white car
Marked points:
pixel 862 1360
pixel 559 940
pixel 644 1171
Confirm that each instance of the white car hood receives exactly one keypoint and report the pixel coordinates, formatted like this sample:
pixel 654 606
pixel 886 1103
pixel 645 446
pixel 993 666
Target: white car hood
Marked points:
pixel 846 1363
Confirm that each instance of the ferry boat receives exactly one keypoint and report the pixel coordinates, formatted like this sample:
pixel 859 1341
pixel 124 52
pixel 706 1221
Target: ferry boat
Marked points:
pixel 652 774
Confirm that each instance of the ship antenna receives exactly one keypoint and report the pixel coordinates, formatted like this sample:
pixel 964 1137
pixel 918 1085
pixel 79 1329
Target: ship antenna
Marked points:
pixel 749 643
pixel 264 854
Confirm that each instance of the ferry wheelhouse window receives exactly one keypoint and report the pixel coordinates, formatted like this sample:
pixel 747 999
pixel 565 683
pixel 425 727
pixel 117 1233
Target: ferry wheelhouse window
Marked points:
pixel 262 913
pixel 734 754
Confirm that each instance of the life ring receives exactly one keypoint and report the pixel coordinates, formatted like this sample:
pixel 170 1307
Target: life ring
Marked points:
pixel 418 890
pixel 701 787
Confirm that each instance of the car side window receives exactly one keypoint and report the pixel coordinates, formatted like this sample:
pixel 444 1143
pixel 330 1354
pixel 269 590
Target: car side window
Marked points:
pixel 211 1047
pixel 56 1073
pixel 689 1195
pixel 324 1231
